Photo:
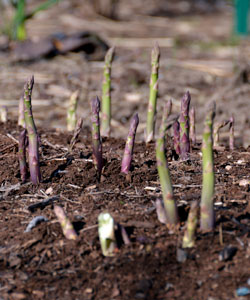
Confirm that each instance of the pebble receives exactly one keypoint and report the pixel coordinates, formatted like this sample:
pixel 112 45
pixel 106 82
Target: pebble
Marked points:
pixel 244 182
pixel 228 168
pixel 248 281
pixel 181 255
pixel 227 253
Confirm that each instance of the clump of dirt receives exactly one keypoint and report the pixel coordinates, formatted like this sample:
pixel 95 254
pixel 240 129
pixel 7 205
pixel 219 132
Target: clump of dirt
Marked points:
pixel 42 264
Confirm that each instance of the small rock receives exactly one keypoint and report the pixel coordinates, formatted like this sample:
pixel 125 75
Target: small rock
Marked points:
pixel 181 255
pixel 244 182
pixel 243 291
pixel 248 281
pixel 240 162
pixel 228 168
pixel 227 253
pixel 168 286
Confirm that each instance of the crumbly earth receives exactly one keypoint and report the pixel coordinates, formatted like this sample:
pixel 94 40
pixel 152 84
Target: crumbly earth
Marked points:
pixel 199 54
pixel 43 264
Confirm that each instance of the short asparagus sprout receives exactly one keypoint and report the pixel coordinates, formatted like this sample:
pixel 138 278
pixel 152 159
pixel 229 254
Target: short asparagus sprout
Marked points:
pixel 207 206
pixel 76 134
pixel 192 125
pixel 184 126
pixel 152 104
pixel 166 112
pixel 96 137
pixel 3 114
pixel 189 235
pixel 21 117
pixel 106 233
pixel 129 147
pixel 217 128
pixel 32 133
pixel 22 155
pixel 231 133
pixel 176 137
pixel 67 227
pixel 71 113
pixel 160 211
pixel 106 93
pixel 166 185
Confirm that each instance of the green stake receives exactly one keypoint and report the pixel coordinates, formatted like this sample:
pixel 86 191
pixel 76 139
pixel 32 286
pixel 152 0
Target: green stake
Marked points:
pixel 106 93
pixel 155 57
pixel 207 206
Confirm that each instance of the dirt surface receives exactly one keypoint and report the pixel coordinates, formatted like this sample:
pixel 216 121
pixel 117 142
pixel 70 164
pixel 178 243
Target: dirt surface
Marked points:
pixel 199 54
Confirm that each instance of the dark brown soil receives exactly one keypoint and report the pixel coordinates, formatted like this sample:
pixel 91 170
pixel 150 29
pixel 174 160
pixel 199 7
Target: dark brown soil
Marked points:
pixel 43 264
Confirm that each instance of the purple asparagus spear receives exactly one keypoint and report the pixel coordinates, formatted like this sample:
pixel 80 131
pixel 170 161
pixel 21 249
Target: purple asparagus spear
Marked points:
pixel 129 147
pixel 184 126
pixel 22 155
pixel 176 128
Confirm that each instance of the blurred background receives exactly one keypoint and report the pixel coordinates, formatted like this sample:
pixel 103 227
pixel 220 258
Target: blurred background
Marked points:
pixel 204 46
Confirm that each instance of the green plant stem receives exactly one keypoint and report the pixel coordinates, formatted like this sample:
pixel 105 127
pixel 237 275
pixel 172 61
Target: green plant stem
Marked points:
pixel 71 113
pixel 166 112
pixel 189 235
pixel 21 118
pixel 207 207
pixel 106 93
pixel 184 126
pixel 166 185
pixel 152 104
pixel 32 133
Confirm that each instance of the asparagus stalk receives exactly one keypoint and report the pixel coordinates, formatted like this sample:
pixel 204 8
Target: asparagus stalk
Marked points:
pixel 151 116
pixel 3 114
pixel 106 233
pixel 32 133
pixel 21 117
pixel 166 112
pixel 76 134
pixel 166 185
pixel 231 133
pixel 160 211
pixel 176 128
pixel 67 227
pixel 106 93
pixel 71 113
pixel 129 147
pixel 22 155
pixel 189 235
pixel 96 137
pixel 192 125
pixel 184 126
pixel 207 207
pixel 217 128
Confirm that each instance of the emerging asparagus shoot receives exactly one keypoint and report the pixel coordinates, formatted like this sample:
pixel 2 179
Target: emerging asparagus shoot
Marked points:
pixel 71 113
pixel 22 155
pixel 184 126
pixel 32 133
pixel 217 128
pixel 231 133
pixel 21 117
pixel 96 137
pixel 106 93
pixel 166 185
pixel 152 104
pixel 189 235
pixel 176 133
pixel 106 233
pixel 166 112
pixel 67 227
pixel 207 207
pixel 129 147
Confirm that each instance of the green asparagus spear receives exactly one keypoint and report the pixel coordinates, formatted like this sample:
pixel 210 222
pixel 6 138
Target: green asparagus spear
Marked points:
pixel 184 126
pixel 71 113
pixel 189 235
pixel 152 104
pixel 207 206
pixel 67 227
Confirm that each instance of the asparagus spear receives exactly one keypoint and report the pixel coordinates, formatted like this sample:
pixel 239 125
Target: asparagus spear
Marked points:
pixel 96 137
pixel 67 227
pixel 129 147
pixel 3 114
pixel 192 125
pixel 21 118
pixel 184 126
pixel 217 128
pixel 32 133
pixel 207 207
pixel 166 185
pixel 231 133
pixel 166 112
pixel 107 234
pixel 106 93
pixel 176 128
pixel 151 116
pixel 189 235
pixel 22 155
pixel 71 113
